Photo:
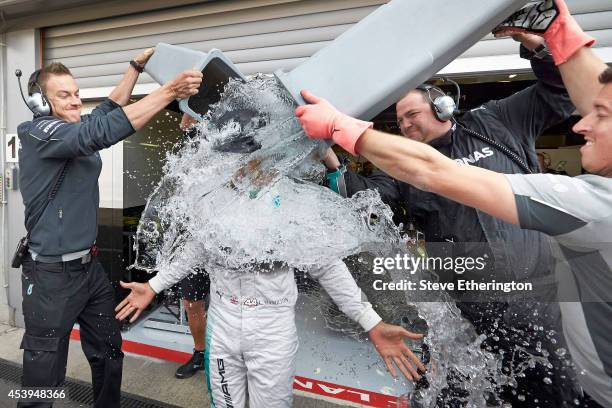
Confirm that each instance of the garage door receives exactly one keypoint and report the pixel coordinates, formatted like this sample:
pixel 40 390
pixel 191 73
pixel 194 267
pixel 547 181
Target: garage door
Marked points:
pixel 261 36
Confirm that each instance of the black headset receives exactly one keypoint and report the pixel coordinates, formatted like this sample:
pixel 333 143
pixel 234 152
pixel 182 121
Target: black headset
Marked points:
pixel 443 106
pixel 37 102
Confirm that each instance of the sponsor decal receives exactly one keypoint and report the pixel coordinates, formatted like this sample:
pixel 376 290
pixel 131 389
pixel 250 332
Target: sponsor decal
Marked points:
pixel 481 107
pixel 476 156
pixel 53 126
pixel 250 302
pixel 341 392
pixel 276 301
pixel 227 397
pixel 42 124
pixel 50 126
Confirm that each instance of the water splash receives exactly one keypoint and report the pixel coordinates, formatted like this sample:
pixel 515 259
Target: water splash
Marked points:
pixel 242 194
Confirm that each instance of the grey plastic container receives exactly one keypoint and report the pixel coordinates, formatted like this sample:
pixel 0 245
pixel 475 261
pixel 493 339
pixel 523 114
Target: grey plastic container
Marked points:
pixel 394 49
pixel 170 60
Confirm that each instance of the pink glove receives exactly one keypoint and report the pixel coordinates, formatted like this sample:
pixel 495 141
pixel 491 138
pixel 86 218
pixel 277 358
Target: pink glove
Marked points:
pixel 550 19
pixel 321 120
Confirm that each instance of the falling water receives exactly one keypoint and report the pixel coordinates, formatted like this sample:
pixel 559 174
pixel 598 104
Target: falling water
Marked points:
pixel 242 194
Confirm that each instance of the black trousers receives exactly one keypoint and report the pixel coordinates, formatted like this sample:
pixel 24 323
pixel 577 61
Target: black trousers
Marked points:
pixel 55 296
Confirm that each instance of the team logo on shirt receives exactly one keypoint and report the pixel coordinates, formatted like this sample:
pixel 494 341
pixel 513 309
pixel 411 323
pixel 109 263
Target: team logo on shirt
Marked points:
pixel 253 302
pixel 50 126
pixel 476 156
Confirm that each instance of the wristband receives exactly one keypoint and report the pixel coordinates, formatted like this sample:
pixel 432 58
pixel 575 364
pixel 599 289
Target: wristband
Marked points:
pixel 336 182
pixel 137 66
pixel 541 51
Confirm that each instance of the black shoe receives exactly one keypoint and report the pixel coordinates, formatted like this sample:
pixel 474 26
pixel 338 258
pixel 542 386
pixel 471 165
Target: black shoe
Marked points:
pixel 195 364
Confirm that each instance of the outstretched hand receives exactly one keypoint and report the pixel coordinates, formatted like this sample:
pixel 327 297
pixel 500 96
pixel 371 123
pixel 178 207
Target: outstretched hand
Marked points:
pixel 389 342
pixel 318 117
pixel 321 120
pixel 139 298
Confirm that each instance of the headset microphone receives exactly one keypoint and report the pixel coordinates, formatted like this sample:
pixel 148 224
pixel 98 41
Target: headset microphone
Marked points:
pixel 36 102
pixel 18 75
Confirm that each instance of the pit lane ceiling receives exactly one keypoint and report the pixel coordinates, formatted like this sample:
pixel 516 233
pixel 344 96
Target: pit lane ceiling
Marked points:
pixel 261 36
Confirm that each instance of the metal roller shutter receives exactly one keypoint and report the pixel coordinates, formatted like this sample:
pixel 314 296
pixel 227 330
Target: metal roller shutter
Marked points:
pixel 259 36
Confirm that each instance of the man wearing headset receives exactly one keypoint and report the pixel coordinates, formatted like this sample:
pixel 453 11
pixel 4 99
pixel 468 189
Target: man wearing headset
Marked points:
pixel 500 136
pixel 62 281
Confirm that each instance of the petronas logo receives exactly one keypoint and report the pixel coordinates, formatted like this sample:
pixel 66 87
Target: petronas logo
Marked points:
pixel 30 289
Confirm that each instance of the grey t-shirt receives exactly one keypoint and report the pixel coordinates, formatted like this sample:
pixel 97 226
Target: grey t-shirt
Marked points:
pixel 577 212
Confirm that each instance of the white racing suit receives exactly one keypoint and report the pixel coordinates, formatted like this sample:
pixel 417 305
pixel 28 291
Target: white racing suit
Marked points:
pixel 251 338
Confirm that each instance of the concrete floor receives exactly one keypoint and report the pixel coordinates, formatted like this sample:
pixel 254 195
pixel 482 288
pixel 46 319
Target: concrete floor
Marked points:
pixel 142 376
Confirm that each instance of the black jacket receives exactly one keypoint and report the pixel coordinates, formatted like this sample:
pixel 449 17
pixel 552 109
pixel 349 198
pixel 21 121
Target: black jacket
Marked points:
pixel 516 122
pixel 69 222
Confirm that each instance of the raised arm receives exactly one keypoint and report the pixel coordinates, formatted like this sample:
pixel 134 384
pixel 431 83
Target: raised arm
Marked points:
pixel 529 112
pixel 580 75
pixel 61 139
pixel 122 92
pixel 569 46
pixel 184 85
pixel 412 162
pixel 120 95
pixel 424 167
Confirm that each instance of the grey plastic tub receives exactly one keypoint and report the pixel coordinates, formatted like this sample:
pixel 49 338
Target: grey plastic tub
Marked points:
pixel 170 60
pixel 394 49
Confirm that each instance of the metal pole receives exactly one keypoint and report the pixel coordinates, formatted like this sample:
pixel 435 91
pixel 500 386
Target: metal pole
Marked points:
pixel 3 202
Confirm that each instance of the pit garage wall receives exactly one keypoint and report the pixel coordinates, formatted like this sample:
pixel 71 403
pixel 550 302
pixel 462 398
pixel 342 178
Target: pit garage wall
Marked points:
pixel 264 35
pixel 21 52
